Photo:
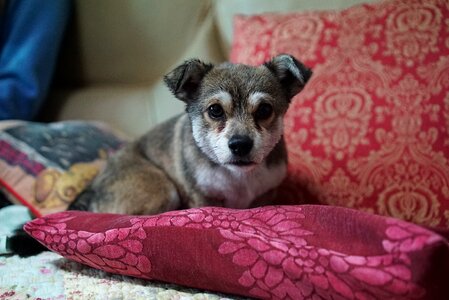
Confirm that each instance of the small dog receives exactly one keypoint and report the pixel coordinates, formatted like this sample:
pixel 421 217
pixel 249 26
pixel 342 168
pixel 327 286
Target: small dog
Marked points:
pixel 226 150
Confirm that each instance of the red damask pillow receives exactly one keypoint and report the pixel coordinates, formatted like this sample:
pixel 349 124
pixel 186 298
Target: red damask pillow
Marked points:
pixel 288 252
pixel 370 130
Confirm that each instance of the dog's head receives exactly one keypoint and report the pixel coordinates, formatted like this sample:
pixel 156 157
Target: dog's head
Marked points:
pixel 236 111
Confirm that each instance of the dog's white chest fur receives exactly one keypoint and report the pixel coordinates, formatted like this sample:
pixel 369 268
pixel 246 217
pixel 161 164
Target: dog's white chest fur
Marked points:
pixel 236 187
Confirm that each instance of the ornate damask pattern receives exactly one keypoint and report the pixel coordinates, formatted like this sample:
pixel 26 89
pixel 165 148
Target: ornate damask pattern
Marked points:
pixel 278 252
pixel 370 130
pixel 412 32
pixel 343 115
pixel 306 28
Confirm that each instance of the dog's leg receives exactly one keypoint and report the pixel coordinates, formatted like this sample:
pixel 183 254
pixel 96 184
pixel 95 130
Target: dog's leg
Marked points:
pixel 130 184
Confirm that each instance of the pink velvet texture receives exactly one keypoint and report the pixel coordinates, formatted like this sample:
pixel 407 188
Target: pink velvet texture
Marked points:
pixel 277 252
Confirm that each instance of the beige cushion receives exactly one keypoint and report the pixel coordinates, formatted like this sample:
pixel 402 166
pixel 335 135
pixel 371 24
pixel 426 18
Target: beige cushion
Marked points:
pixel 130 108
pixel 132 41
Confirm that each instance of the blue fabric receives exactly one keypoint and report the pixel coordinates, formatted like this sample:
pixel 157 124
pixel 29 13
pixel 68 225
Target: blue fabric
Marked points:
pixel 30 35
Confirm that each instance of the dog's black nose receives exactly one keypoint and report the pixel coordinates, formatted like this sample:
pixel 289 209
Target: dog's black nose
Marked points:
pixel 240 145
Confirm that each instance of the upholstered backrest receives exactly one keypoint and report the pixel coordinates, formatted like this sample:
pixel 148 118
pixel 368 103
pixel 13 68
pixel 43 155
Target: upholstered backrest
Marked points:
pixel 126 42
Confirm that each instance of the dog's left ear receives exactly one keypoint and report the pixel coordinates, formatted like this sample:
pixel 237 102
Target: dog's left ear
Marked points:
pixel 292 74
pixel 185 80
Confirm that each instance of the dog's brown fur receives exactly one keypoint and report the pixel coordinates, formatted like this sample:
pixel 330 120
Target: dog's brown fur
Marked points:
pixel 187 161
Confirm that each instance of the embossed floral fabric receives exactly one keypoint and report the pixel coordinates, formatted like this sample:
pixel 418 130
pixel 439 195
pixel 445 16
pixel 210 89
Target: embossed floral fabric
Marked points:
pixel 370 130
pixel 274 252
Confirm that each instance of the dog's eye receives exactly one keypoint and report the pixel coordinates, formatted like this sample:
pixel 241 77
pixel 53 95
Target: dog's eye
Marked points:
pixel 264 111
pixel 215 111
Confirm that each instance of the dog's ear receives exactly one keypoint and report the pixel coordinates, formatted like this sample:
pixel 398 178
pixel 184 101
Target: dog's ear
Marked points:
pixel 184 81
pixel 292 74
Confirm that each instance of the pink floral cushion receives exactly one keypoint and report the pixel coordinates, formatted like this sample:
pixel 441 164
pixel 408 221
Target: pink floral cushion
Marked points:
pixel 292 252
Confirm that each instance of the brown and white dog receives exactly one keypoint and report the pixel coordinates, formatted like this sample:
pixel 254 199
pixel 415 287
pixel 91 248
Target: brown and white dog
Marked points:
pixel 226 150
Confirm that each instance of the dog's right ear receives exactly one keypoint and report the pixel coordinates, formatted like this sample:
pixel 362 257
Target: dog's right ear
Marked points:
pixel 184 81
pixel 292 74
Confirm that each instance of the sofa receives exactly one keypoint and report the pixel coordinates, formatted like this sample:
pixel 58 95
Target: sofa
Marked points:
pixel 363 213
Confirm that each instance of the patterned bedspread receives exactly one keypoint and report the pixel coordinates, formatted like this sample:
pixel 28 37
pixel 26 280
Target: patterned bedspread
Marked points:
pixel 50 276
